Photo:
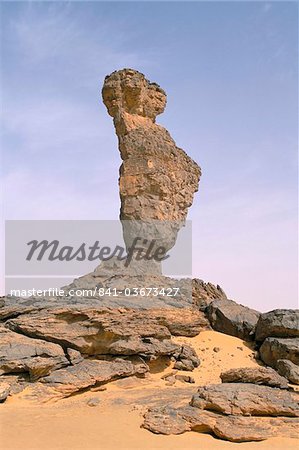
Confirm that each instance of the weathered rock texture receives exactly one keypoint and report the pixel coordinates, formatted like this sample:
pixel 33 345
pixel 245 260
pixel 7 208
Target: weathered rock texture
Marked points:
pixel 168 420
pixel 4 390
pixel 246 399
pixel 121 331
pixel 157 179
pixel 204 293
pixel 231 318
pixel 278 323
pixel 255 375
pixel 233 412
pixel 274 349
pixel 288 370
pixel 89 373
pixel 21 354
pixel 72 347
pixel 186 359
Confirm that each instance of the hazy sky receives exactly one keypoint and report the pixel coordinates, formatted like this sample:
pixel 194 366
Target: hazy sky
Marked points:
pixel 230 72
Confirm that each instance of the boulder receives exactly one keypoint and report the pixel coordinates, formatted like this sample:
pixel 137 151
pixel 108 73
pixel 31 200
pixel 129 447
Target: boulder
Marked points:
pixel 20 353
pixel 90 373
pixel 246 399
pixel 256 375
pixel 231 318
pixel 235 412
pixel 288 370
pixel 168 420
pixel 278 323
pixel 186 358
pixel 274 349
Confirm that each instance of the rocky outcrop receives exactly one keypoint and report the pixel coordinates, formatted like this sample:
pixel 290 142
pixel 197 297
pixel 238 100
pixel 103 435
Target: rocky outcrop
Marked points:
pixel 157 179
pixel 246 399
pixel 121 331
pixel 234 412
pixel 231 318
pixel 19 354
pixel 168 420
pixel 61 345
pixel 288 370
pixel 278 323
pixel 53 339
pixel 204 293
pixel 279 331
pixel 274 349
pixel 256 375
pixel 90 373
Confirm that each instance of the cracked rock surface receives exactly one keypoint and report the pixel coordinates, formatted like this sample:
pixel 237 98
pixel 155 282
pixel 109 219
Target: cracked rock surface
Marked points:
pixel 233 412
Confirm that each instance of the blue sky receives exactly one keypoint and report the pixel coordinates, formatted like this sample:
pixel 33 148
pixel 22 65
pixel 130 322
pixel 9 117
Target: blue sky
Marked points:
pixel 230 72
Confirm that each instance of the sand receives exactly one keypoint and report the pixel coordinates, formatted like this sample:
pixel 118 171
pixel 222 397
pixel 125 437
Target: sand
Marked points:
pixel 115 422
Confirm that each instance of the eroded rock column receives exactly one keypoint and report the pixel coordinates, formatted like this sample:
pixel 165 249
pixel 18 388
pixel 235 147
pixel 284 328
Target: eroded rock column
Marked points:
pixel 157 179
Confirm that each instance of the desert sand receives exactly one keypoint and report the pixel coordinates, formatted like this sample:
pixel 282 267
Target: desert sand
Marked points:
pixel 115 422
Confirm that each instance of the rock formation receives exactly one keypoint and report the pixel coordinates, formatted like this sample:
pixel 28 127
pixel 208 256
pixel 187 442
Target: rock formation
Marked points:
pixel 106 331
pixel 278 323
pixel 255 375
pixel 231 318
pixel 19 354
pixel 62 345
pixel 274 349
pixel 233 412
pixel 277 334
pixel 288 370
pixel 157 179
pixel 245 398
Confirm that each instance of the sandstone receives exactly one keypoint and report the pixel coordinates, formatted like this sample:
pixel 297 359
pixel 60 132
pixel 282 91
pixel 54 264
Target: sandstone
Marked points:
pixel 4 390
pixel 157 179
pixel 74 356
pixel 16 382
pixel 20 353
pixel 256 375
pixel 246 399
pixel 278 323
pixel 274 349
pixel 114 275
pixel 231 318
pixel 288 370
pixel 186 359
pixel 168 420
pixel 90 373
pixel 121 331
pixel 204 293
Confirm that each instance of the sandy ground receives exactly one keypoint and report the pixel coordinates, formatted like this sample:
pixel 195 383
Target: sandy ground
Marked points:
pixel 115 422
